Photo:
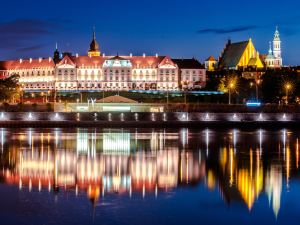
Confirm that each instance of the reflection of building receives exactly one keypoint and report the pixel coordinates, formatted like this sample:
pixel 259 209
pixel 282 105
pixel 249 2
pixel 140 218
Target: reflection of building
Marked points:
pixel 99 72
pixel 113 168
pixel 125 162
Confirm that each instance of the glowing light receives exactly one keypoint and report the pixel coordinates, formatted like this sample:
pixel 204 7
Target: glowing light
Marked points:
pixel 207 117
pixel 109 117
pixel 136 117
pixel 260 117
pixel 29 117
pixel 253 104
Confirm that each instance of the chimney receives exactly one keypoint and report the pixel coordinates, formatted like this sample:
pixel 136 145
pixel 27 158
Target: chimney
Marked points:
pixel 40 60
pixel 21 60
pixel 50 59
pixel 130 55
pixel 156 55
pixel 77 55
pixel 30 60
pixel 144 55
pixel 103 54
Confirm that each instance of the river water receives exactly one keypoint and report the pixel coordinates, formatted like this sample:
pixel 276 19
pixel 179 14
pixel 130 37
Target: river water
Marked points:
pixel 149 176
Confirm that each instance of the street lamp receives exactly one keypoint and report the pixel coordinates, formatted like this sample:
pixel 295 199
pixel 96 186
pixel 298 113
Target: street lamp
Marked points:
pixel 288 87
pixel 231 87
pixel 257 84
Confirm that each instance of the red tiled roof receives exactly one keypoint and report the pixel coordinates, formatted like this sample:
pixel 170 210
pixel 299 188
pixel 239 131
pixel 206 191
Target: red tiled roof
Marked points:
pixel 87 61
pixel 27 64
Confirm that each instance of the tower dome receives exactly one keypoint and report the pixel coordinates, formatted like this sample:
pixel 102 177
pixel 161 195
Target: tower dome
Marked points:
pixel 94 46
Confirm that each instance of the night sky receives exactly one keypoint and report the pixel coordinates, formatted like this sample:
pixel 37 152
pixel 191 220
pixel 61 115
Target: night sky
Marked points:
pixel 190 28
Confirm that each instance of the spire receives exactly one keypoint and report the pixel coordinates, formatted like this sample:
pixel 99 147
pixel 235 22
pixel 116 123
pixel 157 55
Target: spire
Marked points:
pixel 56 55
pixel 94 33
pixel 276 35
pixel 94 46
pixel 270 48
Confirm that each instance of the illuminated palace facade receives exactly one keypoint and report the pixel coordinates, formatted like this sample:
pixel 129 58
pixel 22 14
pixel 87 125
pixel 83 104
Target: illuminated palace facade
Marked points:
pixel 95 71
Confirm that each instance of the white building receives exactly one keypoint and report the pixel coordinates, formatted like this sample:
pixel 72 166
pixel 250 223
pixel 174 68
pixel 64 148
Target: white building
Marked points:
pixel 274 58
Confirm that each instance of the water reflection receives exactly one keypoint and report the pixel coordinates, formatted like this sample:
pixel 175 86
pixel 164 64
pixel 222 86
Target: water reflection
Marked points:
pixel 242 166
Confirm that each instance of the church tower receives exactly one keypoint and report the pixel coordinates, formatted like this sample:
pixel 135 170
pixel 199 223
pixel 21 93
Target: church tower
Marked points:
pixel 277 49
pixel 94 46
pixel 56 55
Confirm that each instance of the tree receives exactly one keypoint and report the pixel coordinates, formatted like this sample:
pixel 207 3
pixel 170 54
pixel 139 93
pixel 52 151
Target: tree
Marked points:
pixel 10 88
pixel 229 85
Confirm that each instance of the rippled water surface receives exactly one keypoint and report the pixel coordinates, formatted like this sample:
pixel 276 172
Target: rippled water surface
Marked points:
pixel 149 176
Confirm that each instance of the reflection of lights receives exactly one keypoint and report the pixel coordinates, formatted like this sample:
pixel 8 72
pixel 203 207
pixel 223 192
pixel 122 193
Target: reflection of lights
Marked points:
pixel 136 117
pixel 184 134
pixel 109 117
pixel 122 117
pixel 260 132
pixel 20 184
pixel 234 139
pixel 297 153
pixel 30 185
pixel 211 180
pixel 231 162
pixel 2 116
pixel 2 139
pixel 284 142
pixel 288 155
pixel 164 117
pixel 207 141
pixel 152 116
pixel 116 143
pixel 274 188
pixel 249 185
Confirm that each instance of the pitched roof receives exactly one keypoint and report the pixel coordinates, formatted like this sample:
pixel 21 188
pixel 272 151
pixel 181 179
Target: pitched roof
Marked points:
pixel 86 61
pixel 116 99
pixel 27 64
pixel 232 54
pixel 188 63
pixel 211 58
pixel 67 60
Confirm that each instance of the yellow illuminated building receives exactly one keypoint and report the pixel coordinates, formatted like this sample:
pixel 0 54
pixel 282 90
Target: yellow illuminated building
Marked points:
pixel 240 55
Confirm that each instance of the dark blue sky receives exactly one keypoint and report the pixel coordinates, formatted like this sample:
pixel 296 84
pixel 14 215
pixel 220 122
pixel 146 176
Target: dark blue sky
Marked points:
pixel 187 28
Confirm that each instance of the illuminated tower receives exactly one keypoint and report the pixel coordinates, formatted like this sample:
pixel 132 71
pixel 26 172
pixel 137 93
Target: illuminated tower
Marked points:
pixel 277 49
pixel 94 47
